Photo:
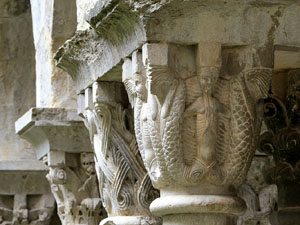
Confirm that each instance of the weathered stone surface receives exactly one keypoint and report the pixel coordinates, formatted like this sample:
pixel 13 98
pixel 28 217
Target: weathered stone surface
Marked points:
pixel 74 185
pixel 61 140
pixel 195 73
pixel 123 26
pixel 88 9
pixel 16 72
pixel 259 194
pixel 197 132
pixel 125 187
pixel 53 129
pixel 53 23
pixel 23 200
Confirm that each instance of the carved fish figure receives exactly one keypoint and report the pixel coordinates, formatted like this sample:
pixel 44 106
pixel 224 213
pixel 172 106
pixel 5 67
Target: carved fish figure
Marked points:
pixel 238 122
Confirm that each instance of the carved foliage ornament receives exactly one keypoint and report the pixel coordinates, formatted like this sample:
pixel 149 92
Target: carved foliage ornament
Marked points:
pixel 76 193
pixel 199 127
pixel 282 140
pixel 125 187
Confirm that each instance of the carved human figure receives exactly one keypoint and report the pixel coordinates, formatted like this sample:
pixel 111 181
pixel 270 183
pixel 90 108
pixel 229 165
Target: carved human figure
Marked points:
pixel 204 110
pixel 221 117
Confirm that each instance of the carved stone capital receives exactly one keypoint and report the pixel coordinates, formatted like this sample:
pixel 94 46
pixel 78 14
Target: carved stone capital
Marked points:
pixel 74 185
pixel 197 118
pixel 62 142
pixel 199 127
pixel 125 187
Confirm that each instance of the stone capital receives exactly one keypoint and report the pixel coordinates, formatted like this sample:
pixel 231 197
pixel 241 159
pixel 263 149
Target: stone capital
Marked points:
pixel 62 142
pixel 125 187
pixel 197 118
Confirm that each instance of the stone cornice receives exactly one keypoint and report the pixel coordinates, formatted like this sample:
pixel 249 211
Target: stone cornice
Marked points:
pixel 53 129
pixel 120 27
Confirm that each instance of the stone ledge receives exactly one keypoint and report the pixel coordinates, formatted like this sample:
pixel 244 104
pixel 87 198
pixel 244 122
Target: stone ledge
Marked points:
pixel 53 129
pixel 22 166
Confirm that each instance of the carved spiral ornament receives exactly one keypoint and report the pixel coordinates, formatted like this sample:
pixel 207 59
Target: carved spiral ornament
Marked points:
pixel 124 199
pixel 118 162
pixel 147 193
pixel 58 175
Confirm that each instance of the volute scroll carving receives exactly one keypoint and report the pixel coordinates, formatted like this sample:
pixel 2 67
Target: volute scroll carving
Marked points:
pixel 125 187
pixel 74 186
pixel 196 127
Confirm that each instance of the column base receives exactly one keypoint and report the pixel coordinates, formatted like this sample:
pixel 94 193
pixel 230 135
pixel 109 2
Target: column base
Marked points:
pixel 199 219
pixel 198 209
pixel 130 220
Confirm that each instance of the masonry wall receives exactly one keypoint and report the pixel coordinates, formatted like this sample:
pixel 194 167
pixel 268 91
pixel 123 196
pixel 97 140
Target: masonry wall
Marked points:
pixel 17 76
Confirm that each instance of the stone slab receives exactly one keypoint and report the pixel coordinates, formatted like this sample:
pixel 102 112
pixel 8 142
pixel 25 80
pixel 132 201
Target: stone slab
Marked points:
pixel 33 165
pixel 54 129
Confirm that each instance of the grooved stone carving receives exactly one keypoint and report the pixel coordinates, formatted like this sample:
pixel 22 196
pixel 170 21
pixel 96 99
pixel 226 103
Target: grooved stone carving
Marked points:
pixel 61 140
pixel 197 129
pixel 75 189
pixel 125 187
pixel 197 114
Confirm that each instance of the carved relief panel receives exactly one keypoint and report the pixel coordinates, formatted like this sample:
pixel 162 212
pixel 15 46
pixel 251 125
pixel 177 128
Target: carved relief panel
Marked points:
pixel 197 110
pixel 125 187
pixel 74 185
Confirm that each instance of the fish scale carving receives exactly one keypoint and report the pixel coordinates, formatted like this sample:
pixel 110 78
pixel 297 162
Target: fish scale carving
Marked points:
pixel 172 141
pixel 197 135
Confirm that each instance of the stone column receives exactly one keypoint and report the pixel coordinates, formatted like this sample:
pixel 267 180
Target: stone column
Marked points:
pixel 282 141
pixel 125 187
pixel 196 123
pixel 62 142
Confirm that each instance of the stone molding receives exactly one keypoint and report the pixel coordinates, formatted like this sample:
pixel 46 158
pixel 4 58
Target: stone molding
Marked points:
pixel 53 129
pixel 125 187
pixel 61 140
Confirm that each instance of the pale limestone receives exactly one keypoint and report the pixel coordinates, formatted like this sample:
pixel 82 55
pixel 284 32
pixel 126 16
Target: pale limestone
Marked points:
pixel 41 126
pixel 62 142
pixel 16 72
pixel 232 24
pixel 53 23
pixel 195 73
pixel 190 130
pixel 23 200
pixel 125 187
